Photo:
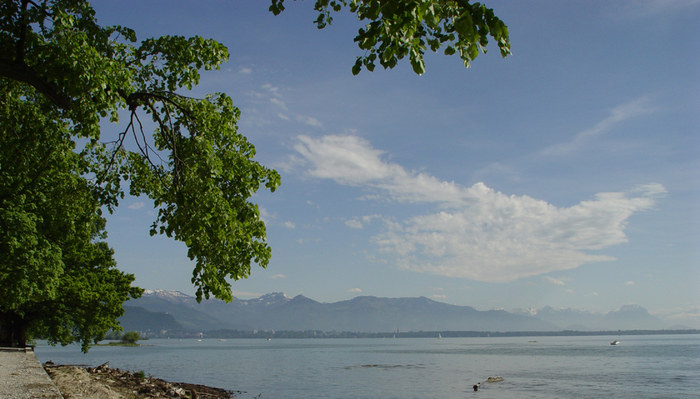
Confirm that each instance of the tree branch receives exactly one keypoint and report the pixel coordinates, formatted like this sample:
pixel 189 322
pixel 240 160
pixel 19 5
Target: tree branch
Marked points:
pixel 19 50
pixel 22 72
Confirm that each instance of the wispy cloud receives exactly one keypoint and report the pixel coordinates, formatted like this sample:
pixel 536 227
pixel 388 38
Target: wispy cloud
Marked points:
pixel 245 71
pixel 308 120
pixel 277 276
pixel 274 90
pixel 354 224
pixel 354 290
pixel 136 205
pixel 360 222
pixel 279 103
pixel 289 225
pixel 617 115
pixel 554 281
pixel 476 232
pixel 265 215
pixel 271 103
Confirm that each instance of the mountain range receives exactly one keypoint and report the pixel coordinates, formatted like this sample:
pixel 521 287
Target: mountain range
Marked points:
pixel 160 310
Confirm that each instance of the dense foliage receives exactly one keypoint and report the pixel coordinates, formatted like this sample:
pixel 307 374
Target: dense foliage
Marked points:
pixel 57 275
pixel 131 337
pixel 400 28
pixel 62 74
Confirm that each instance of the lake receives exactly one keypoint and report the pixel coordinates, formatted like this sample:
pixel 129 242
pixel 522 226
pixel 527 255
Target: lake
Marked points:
pixel 645 366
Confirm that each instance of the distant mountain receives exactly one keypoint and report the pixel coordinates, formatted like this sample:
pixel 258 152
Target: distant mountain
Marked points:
pixel 372 314
pixel 139 319
pixel 183 308
pixel 628 317
pixel 632 317
pixel 277 311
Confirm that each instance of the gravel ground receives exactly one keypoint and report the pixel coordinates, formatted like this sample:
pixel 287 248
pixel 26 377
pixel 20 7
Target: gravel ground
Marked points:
pixel 104 382
pixel 23 377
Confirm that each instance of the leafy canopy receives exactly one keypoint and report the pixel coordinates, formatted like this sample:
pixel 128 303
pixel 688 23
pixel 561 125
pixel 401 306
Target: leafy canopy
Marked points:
pixel 58 278
pixel 62 74
pixel 399 28
pixel 194 165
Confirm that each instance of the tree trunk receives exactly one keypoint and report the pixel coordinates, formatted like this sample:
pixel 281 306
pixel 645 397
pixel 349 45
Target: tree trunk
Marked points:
pixel 13 330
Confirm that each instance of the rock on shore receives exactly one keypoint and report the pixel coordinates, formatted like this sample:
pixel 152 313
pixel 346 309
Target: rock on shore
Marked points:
pixel 104 382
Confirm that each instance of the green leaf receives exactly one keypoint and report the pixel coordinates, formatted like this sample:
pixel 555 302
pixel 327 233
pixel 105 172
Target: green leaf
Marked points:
pixel 357 67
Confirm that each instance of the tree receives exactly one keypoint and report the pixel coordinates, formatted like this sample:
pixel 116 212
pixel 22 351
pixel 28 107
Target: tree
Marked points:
pixel 57 278
pixel 131 337
pixel 401 28
pixel 61 73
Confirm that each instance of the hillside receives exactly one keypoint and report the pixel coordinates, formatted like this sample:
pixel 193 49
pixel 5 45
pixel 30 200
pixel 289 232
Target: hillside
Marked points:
pixel 159 310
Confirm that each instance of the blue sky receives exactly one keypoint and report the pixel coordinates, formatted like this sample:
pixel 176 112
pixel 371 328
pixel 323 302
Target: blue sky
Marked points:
pixel 567 174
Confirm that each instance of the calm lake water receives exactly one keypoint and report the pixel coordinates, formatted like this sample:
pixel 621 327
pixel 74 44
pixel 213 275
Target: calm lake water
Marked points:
pixel 666 366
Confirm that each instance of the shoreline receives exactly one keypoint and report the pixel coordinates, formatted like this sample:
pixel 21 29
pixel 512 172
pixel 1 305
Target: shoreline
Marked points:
pixel 103 382
pixel 319 334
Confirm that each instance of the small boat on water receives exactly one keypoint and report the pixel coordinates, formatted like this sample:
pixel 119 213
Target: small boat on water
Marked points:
pixel 615 342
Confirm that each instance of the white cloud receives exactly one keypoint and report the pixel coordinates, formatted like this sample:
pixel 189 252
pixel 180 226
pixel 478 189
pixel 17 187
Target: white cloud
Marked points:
pixel 277 276
pixel 476 232
pixel 289 225
pixel 629 283
pixel 279 103
pixel 354 224
pixel 354 290
pixel 554 281
pixel 308 120
pixel 274 90
pixel 265 216
pixel 360 222
pixel 245 71
pixel 619 114
pixel 369 218
pixel 271 102
pixel 438 297
pixel 136 205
